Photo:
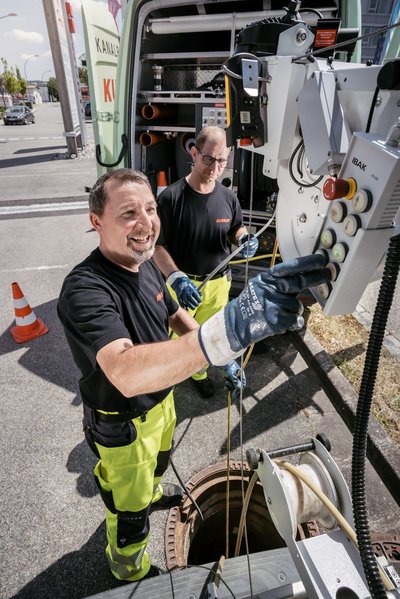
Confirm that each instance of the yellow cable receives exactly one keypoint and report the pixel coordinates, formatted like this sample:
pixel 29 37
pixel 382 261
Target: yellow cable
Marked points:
pixel 228 451
pixel 340 519
pixel 274 252
pixel 243 514
pixel 254 258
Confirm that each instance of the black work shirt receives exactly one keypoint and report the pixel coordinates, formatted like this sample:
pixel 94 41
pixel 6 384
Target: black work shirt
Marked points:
pixel 195 226
pixel 101 302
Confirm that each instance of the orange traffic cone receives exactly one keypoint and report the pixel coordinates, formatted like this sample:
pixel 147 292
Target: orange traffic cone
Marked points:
pixel 161 182
pixel 27 325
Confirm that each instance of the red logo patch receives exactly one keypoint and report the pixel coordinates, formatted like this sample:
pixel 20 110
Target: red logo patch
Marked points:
pixel 223 220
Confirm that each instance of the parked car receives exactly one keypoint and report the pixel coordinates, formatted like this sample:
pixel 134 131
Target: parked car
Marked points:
pixel 18 115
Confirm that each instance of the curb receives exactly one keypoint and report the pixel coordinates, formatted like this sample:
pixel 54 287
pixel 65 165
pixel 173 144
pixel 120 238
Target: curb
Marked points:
pixel 382 452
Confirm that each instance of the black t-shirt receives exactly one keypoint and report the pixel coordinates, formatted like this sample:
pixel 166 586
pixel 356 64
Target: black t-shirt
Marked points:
pixel 101 302
pixel 195 226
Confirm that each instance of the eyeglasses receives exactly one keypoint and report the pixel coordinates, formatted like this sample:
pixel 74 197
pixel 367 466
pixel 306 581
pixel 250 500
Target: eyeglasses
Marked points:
pixel 209 160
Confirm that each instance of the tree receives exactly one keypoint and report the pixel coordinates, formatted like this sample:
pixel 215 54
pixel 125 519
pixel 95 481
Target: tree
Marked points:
pixel 83 75
pixel 10 82
pixel 53 90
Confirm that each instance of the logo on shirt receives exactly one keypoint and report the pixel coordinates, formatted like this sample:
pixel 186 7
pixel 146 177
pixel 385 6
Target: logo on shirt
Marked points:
pixel 159 296
pixel 223 220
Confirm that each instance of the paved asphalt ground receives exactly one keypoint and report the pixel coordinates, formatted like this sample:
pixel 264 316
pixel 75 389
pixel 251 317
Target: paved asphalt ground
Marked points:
pixel 52 521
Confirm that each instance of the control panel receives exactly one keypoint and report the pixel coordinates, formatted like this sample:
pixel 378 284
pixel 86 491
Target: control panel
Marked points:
pixel 364 201
pixel 208 115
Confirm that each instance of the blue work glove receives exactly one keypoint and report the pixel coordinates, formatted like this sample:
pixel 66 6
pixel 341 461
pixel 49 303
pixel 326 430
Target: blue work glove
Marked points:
pixel 267 306
pixel 249 245
pixel 233 382
pixel 187 293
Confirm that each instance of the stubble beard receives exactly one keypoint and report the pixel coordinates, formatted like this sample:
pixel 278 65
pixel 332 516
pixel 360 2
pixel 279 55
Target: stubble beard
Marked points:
pixel 140 257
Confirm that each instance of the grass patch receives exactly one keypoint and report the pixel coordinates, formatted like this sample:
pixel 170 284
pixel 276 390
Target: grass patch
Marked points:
pixel 346 342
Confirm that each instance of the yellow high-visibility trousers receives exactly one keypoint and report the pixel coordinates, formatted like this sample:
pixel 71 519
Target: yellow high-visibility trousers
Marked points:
pixel 128 477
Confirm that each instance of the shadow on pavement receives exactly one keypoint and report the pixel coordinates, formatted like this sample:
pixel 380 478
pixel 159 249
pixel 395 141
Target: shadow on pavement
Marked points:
pixel 81 460
pixel 47 356
pixel 76 575
pixel 30 150
pixel 27 160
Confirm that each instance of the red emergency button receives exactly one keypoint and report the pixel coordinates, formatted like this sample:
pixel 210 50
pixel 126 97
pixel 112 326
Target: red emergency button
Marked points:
pixel 339 188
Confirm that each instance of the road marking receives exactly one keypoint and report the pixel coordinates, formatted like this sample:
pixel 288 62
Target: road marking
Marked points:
pixel 56 207
pixel 30 138
pixel 49 173
pixel 28 268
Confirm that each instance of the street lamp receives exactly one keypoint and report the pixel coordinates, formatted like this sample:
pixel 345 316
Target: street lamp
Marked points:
pixel 10 14
pixel 26 79
pixel 48 71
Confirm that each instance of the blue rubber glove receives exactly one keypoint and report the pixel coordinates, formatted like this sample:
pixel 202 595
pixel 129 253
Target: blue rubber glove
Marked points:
pixel 267 306
pixel 249 245
pixel 233 382
pixel 189 297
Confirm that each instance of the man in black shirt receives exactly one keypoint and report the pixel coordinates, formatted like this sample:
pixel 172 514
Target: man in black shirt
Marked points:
pixel 200 219
pixel 116 312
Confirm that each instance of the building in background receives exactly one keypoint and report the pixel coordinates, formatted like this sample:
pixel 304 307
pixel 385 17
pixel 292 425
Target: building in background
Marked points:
pixel 375 15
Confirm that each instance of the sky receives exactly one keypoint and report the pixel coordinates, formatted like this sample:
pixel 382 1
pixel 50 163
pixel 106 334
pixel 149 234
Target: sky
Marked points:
pixel 26 34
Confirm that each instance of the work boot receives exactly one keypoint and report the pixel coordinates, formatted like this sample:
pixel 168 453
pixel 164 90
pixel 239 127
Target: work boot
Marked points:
pixel 205 387
pixel 171 497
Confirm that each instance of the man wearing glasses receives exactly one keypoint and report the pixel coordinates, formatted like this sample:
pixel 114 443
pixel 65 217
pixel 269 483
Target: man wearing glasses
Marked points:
pixel 200 219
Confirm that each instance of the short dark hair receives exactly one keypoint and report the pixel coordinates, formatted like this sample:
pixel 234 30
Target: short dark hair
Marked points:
pixel 98 194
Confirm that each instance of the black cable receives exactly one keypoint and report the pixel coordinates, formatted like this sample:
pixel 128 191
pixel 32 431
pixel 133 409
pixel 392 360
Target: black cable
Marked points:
pixel 300 183
pixel 314 10
pixel 299 160
pixel 172 583
pixel 371 110
pixel 185 488
pixel 210 570
pixel 347 42
pixel 383 305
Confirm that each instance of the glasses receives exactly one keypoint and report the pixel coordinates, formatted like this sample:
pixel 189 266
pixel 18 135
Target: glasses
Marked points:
pixel 209 160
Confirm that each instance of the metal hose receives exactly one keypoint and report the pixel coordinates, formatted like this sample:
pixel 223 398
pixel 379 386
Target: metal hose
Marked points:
pixel 384 302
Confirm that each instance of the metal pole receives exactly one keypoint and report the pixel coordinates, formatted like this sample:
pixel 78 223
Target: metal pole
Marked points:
pixel 68 111
pixel 26 78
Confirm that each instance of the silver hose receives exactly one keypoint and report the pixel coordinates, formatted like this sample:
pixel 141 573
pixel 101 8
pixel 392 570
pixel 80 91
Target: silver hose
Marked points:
pixel 232 255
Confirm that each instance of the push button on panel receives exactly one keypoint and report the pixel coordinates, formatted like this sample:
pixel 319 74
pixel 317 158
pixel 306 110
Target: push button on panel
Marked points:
pixel 362 201
pixel 324 290
pixel 338 212
pixel 328 238
pixel 351 224
pixel 339 252
pixel 334 189
pixel 334 270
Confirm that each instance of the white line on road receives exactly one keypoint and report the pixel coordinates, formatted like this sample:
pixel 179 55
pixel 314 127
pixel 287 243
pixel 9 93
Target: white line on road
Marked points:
pixel 45 174
pixel 29 138
pixel 36 268
pixel 56 207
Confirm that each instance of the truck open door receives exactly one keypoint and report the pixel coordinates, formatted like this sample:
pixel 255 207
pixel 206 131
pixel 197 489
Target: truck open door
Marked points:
pixel 102 48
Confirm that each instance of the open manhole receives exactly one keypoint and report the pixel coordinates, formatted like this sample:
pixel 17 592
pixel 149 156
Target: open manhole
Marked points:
pixel 189 540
